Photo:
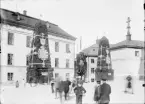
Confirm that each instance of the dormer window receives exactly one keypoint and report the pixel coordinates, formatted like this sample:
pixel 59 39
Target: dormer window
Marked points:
pixel 17 15
pixel 137 53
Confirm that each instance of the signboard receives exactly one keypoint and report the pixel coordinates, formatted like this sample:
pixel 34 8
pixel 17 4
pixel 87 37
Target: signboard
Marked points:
pixel 44 73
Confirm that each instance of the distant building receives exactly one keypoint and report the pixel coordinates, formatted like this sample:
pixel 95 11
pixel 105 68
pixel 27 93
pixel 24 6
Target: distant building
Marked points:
pixel 16 31
pixel 127 56
pixel 92 54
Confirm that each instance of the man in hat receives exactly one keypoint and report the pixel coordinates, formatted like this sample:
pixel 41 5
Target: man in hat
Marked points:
pixel 79 92
pixel 97 91
pixel 105 92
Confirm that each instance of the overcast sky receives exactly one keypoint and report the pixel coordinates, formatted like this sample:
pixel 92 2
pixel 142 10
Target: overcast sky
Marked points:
pixel 87 18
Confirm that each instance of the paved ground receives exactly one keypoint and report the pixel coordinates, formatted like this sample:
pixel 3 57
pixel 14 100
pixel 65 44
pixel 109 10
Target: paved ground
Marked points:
pixel 42 94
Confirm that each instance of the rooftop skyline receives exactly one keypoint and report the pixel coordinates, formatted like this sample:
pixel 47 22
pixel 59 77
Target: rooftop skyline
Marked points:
pixel 87 18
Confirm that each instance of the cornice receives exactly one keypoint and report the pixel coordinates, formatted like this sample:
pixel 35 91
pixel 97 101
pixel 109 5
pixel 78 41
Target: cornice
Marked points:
pixel 28 27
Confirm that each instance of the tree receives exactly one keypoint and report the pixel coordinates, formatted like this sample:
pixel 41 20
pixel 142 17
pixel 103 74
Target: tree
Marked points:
pixel 81 64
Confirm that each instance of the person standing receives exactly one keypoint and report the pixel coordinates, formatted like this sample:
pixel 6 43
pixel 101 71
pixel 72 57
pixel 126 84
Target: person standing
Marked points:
pixel 97 92
pixel 73 85
pixel 105 91
pixel 79 91
pixel 57 82
pixel 129 85
pixel 67 83
pixel 17 84
pixel 52 85
pixel 61 89
pixel 24 83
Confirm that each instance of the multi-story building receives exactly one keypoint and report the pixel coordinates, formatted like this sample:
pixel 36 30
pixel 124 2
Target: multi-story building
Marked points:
pixel 92 55
pixel 16 32
pixel 128 56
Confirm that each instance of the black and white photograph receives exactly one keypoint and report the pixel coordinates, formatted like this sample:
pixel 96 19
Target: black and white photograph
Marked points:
pixel 72 51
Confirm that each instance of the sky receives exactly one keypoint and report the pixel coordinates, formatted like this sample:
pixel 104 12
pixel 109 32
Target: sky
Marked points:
pixel 89 19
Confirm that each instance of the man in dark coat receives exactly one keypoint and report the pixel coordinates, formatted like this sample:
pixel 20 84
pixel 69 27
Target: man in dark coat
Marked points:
pixel 79 91
pixel 97 91
pixel 105 92
pixel 66 83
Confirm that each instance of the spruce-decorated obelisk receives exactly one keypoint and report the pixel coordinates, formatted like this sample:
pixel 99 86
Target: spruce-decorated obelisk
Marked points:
pixel 39 68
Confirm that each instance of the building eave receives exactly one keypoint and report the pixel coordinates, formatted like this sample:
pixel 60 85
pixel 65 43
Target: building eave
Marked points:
pixel 125 46
pixel 25 24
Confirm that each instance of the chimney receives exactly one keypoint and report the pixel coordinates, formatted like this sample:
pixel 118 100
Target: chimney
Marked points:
pixel 128 37
pixel 25 12
pixel 97 41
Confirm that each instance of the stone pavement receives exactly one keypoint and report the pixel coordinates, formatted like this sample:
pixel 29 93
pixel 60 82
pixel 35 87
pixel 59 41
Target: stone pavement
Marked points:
pixel 42 94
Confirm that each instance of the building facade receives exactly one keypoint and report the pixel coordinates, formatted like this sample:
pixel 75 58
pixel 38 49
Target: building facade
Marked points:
pixel 16 37
pixel 92 56
pixel 127 56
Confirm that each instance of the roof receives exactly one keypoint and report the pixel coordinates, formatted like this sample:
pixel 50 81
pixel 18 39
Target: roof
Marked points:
pixel 92 50
pixel 27 22
pixel 128 44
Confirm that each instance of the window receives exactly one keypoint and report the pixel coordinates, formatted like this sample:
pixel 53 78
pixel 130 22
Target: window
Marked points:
pixel 137 53
pixel 56 62
pixel 56 75
pixel 67 48
pixel 56 47
pixel 92 60
pixel 10 38
pixel 10 59
pixel 67 63
pixel 67 75
pixel 92 70
pixel 10 76
pixel 28 41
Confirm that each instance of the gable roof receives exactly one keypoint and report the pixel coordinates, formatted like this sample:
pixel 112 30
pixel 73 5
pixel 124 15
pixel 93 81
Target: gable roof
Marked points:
pixel 27 22
pixel 90 50
pixel 128 44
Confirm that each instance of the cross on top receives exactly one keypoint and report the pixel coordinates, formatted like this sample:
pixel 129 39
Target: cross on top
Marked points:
pixel 128 22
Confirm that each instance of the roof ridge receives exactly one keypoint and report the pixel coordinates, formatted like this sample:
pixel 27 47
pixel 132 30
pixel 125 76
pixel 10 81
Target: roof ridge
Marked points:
pixel 28 16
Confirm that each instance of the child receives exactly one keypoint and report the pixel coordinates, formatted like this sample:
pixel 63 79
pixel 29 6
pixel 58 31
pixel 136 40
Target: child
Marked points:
pixel 17 84
pixel 129 84
pixel 79 90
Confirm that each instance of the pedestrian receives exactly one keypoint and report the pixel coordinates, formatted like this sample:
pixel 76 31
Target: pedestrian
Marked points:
pixel 17 84
pixel 73 84
pixel 79 91
pixel 1 97
pixel 52 85
pixel 61 89
pixel 129 85
pixel 57 82
pixel 24 83
pixel 67 84
pixel 97 92
pixel 104 92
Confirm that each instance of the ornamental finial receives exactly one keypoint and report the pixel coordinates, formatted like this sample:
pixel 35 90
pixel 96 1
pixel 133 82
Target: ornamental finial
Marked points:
pixel 128 27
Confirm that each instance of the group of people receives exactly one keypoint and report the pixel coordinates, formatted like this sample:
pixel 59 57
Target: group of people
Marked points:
pixel 102 92
pixel 60 87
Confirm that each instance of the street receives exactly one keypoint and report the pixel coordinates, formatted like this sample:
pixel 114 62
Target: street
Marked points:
pixel 41 94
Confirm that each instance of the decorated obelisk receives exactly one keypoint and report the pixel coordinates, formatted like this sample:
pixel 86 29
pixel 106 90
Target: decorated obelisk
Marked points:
pixel 39 67
pixel 104 65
